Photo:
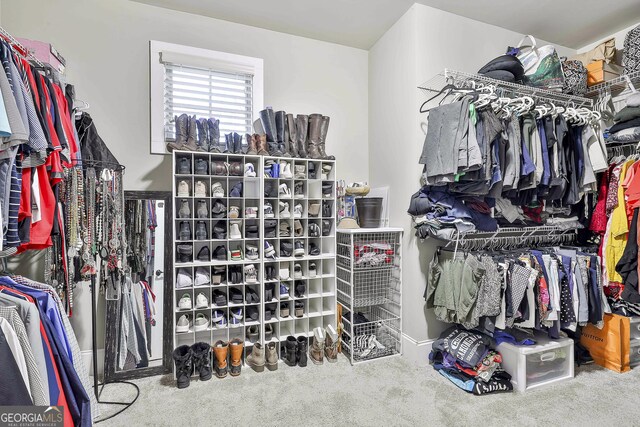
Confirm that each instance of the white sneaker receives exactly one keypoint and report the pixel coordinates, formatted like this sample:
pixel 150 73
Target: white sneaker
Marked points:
pixel 183 324
pixel 217 190
pixel 284 210
pixel 268 210
pixel 250 273
pixel 201 302
pixel 297 211
pixel 234 233
pixel 326 170
pixel 252 252
pixel 312 269
pixel 202 322
pixel 201 190
pixel 284 273
pixel 285 170
pixel 202 277
pixel 284 192
pixel 183 189
pixel 251 212
pixel 184 279
pixel 297 271
pixel 185 302
pixel 249 170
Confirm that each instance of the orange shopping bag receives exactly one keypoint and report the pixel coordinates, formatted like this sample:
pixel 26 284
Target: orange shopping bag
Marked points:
pixel 609 346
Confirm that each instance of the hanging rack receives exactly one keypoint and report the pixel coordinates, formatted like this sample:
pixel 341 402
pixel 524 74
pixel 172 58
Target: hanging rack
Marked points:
pixel 513 238
pixel 506 89
pixel 615 86
pixel 19 48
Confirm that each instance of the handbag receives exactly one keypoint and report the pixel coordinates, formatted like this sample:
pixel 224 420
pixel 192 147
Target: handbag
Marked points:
pixel 609 347
pixel 542 66
pixel 631 56
pixel 575 77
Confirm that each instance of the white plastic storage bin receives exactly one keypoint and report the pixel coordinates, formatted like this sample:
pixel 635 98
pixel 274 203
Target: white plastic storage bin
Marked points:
pixel 538 365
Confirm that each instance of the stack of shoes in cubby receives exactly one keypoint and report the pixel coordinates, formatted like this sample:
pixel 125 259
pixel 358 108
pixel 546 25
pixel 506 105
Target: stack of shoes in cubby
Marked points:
pixel 190 360
pixel 279 134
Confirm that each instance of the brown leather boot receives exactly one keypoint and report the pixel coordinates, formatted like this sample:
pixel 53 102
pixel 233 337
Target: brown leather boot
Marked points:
pixel 181 124
pixel 220 350
pixel 236 345
pixel 302 126
pixel 324 128
pixel 252 144
pixel 261 144
pixel 291 125
pixel 315 123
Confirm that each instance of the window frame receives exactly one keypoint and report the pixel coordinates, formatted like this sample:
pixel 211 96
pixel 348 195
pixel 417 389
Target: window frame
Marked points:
pixel 217 60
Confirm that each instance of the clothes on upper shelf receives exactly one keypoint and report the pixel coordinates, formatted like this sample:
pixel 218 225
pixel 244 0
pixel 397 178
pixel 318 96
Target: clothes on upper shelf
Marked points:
pixel 626 126
pixel 468 359
pixel 482 170
pixel 545 289
pixel 40 359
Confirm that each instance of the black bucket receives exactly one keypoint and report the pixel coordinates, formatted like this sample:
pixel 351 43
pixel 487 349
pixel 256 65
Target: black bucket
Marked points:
pixel 369 211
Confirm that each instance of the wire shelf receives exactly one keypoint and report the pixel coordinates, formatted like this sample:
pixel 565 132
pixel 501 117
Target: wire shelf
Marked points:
pixel 463 79
pixel 617 85
pixel 376 250
pixel 379 337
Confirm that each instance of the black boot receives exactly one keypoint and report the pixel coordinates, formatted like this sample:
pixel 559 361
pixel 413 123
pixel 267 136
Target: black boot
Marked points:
pixel 281 130
pixel 183 359
pixel 228 143
pixel 213 135
pixel 201 352
pixel 301 354
pixel 302 127
pixel 268 120
pixel 291 127
pixel 203 137
pixel 291 351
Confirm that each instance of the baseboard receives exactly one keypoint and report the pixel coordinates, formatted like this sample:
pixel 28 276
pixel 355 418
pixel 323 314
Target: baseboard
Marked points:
pixel 415 351
pixel 88 361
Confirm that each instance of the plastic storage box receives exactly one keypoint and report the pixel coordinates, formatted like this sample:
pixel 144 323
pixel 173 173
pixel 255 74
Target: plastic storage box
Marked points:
pixel 538 365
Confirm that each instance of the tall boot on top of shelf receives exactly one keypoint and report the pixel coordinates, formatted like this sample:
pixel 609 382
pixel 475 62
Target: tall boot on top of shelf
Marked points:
pixel 268 120
pixel 302 127
pixel 292 131
pixel 315 122
pixel 252 144
pixel 202 360
pixel 203 137
pixel 236 346
pixel 316 352
pixel 237 143
pixel 291 351
pixel 324 128
pixel 220 352
pixel 181 124
pixel 192 135
pixel 281 128
pixel 214 135
pixel 261 144
pixel 183 359
pixel 228 142
pixel 301 355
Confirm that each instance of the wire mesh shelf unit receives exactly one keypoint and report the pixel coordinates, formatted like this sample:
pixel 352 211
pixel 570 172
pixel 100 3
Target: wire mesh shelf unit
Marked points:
pixel 369 290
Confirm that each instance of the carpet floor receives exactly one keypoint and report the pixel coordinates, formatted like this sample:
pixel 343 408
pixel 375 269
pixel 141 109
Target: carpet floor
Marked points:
pixel 385 392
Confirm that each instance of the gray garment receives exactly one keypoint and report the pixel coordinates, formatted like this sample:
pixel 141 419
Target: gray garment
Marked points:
pixel 19 133
pixel 36 382
pixel 528 129
pixel 584 278
pixel 76 354
pixel 474 155
pixel 588 175
pixel 447 125
pixel 511 175
pixel 30 317
pixel 128 337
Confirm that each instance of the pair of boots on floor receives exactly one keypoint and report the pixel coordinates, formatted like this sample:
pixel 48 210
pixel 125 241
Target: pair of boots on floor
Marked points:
pixel 197 359
pixel 324 344
pixel 281 135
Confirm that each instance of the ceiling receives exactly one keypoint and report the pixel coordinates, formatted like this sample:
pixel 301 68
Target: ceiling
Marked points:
pixel 360 23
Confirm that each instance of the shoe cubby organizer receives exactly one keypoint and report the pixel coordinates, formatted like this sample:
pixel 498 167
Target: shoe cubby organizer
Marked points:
pixel 228 210
pixel 369 291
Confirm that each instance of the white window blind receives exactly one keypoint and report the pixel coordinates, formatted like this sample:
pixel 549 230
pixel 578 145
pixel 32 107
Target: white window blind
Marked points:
pixel 208 93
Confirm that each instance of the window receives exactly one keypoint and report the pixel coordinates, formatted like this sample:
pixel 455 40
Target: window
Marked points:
pixel 204 83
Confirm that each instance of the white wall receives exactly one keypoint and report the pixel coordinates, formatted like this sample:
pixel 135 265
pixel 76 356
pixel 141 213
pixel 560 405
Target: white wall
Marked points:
pixel 420 45
pixel 620 35
pixel 106 45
